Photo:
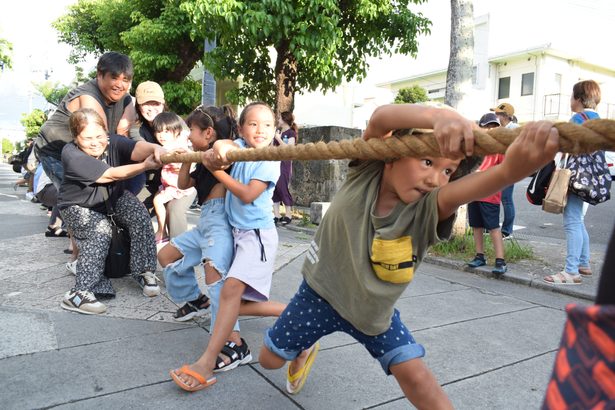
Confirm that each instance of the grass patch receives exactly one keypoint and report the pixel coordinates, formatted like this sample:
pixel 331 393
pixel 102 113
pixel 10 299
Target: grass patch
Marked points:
pixel 462 248
pixel 304 219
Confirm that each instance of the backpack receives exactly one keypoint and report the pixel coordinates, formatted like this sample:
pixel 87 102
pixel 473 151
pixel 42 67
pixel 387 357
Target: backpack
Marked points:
pixel 537 188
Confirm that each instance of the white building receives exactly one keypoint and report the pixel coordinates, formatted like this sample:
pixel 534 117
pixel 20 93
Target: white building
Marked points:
pixel 526 53
pixel 537 82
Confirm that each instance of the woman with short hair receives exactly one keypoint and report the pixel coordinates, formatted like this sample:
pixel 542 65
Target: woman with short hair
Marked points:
pixel 96 166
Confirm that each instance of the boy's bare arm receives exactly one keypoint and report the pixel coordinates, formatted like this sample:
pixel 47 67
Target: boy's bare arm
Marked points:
pixel 533 148
pixel 450 128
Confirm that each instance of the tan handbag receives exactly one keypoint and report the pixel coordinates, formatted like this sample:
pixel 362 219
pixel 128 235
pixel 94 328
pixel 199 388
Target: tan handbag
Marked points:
pixel 557 194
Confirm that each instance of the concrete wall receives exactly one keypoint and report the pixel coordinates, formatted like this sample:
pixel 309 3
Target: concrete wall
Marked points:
pixel 318 181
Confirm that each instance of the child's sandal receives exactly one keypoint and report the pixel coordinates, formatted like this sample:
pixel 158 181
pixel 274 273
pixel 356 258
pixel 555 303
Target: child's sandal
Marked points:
pixel 237 354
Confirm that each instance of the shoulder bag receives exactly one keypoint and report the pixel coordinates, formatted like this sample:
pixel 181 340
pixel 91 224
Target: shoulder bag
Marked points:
pixel 557 194
pixel 117 263
pixel 590 178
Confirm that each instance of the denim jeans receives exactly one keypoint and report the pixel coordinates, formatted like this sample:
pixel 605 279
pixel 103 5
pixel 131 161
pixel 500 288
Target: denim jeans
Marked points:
pixel 577 239
pixel 509 209
pixel 53 168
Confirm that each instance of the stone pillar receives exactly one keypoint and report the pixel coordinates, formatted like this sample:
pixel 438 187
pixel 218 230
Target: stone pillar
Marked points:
pixel 319 181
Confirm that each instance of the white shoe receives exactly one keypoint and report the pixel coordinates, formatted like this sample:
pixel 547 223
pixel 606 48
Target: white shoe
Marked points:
pixel 72 267
pixel 82 301
pixel 29 195
pixel 149 282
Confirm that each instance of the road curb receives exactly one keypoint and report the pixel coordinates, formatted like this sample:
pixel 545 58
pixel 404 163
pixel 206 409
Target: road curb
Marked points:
pixel 529 279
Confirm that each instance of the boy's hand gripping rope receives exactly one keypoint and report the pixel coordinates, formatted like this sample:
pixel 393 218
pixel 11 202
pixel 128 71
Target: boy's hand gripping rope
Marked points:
pixel 591 136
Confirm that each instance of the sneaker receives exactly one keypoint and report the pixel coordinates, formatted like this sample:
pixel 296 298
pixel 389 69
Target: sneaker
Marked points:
pixel 30 196
pixel 276 221
pixel 72 267
pixel 506 235
pixel 192 309
pixel 82 301
pixel 149 282
pixel 285 220
pixel 499 269
pixel 476 262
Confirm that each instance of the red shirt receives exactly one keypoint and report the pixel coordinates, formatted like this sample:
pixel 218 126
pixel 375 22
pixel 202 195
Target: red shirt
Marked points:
pixel 488 162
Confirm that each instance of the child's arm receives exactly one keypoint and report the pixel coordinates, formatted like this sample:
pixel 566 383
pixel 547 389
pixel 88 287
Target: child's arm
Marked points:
pixel 449 128
pixel 533 148
pixel 184 181
pixel 246 193
pixel 213 158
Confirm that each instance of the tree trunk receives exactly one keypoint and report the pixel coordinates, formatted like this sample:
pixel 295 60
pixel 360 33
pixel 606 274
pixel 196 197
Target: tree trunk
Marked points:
pixel 285 79
pixel 459 75
pixel 461 60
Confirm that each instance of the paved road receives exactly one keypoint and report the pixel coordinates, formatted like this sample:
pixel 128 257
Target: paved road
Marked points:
pixel 532 221
pixel 491 343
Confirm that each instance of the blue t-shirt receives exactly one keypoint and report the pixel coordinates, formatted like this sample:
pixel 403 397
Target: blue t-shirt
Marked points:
pixel 258 214
pixel 578 118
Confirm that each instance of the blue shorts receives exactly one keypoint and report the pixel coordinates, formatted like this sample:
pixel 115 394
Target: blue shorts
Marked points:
pixel 308 317
pixel 211 241
pixel 484 215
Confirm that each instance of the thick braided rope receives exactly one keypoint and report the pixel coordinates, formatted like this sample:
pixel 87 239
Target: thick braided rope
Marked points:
pixel 575 139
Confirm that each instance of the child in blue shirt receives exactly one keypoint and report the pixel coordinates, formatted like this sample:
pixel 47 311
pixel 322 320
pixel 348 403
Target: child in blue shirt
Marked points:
pixel 248 205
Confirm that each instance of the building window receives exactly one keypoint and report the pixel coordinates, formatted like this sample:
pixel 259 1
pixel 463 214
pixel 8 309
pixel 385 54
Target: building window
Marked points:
pixel 504 88
pixel 475 75
pixel 527 84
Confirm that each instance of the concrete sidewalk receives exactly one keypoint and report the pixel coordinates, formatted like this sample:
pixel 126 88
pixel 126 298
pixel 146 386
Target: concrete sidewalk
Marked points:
pixel 490 343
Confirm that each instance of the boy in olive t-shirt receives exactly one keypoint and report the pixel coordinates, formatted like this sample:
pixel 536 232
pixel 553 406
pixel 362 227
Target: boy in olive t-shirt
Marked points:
pixel 371 240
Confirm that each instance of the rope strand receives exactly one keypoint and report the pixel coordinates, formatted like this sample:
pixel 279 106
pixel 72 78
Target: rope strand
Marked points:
pixel 591 136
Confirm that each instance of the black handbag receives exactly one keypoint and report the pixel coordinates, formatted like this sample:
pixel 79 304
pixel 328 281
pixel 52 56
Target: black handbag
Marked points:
pixel 117 263
pixel 537 188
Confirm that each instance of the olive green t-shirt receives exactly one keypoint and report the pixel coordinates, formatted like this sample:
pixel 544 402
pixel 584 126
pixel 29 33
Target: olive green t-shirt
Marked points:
pixel 361 263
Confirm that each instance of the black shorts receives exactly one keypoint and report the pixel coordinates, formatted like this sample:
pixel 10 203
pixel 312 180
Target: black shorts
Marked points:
pixel 484 215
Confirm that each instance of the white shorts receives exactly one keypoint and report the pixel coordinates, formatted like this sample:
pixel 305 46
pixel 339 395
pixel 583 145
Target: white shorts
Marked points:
pixel 255 252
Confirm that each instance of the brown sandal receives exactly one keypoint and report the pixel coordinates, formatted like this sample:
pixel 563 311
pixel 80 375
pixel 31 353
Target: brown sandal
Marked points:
pixel 586 271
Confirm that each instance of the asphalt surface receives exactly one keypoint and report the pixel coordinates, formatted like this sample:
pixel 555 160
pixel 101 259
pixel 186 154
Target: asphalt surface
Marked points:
pixel 491 342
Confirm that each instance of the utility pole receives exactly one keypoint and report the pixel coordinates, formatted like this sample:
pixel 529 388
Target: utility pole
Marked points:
pixel 208 97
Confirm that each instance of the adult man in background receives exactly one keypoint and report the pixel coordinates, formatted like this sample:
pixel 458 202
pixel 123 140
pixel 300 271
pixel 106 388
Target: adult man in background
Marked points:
pixel 505 113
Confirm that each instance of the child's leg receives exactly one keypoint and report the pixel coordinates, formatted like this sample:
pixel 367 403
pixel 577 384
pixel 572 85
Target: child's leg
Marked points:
pixel 161 214
pixel 419 385
pixel 498 242
pixel 178 259
pixel 478 240
pixel 230 299
pixel 270 308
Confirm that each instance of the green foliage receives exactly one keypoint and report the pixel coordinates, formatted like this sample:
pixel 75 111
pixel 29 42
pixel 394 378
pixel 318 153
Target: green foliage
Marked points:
pixel 7 146
pixel 157 35
pixel 462 248
pixel 325 41
pixel 182 97
pixel 33 122
pixel 52 92
pixel 319 43
pixel 411 95
pixel 6 49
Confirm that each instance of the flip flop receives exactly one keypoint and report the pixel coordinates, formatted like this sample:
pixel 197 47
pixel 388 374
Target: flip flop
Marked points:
pixel 187 370
pixel 301 375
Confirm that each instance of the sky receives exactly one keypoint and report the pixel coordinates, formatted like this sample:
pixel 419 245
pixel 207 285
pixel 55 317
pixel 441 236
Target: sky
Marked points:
pixel 580 27
pixel 27 25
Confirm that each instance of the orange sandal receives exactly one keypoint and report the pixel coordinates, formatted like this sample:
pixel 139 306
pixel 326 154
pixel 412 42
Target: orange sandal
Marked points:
pixel 187 370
